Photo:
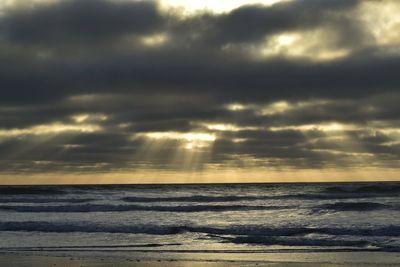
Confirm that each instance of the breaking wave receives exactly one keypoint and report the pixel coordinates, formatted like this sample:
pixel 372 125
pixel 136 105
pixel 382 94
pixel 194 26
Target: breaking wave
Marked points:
pixel 355 206
pixel 120 208
pixel 45 200
pixel 238 230
pixel 268 241
pixel 231 198
pixel 389 188
pixel 31 190
pixel 196 198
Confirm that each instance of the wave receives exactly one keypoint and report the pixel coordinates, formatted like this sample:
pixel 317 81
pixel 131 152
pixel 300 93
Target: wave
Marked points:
pixel 389 188
pixel 31 190
pixel 297 241
pixel 120 208
pixel 45 200
pixel 41 248
pixel 237 230
pixel 189 199
pixel 263 192
pixel 354 206
pixel 231 198
pixel 195 198
pixel 287 231
pixel 335 207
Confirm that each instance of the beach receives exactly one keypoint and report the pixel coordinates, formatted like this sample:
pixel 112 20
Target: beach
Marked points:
pixel 73 259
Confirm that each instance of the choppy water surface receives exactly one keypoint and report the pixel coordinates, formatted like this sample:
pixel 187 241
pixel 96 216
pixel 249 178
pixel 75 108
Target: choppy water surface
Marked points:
pixel 259 217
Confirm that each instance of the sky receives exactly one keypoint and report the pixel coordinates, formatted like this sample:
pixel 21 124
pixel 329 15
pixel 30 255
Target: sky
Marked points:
pixel 124 91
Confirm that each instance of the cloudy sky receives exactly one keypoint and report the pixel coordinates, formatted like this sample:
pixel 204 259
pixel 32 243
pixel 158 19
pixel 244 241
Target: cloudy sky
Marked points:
pixel 193 91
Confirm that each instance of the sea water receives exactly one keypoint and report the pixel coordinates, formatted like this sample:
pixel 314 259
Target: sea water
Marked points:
pixel 202 218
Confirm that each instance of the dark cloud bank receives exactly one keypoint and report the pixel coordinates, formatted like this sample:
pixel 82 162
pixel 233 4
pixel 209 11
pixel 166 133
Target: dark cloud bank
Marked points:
pixel 102 58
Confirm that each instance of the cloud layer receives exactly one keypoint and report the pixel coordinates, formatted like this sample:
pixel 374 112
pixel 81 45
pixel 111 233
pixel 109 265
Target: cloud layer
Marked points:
pixel 109 86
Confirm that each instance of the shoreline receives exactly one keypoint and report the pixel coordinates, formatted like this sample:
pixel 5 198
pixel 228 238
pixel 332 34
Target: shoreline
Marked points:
pixel 173 259
pixel 339 182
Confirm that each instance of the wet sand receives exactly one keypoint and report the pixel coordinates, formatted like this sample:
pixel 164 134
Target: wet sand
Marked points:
pixel 80 259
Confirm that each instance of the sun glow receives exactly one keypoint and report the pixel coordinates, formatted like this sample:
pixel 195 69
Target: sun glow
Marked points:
pixel 236 107
pixel 190 137
pixel 286 39
pixel 330 127
pixel 187 151
pixel 80 118
pixel 222 127
pixel 187 140
pixel 310 45
pixel 54 128
pixel 277 107
pixel 383 21
pixel 154 40
pixel 220 6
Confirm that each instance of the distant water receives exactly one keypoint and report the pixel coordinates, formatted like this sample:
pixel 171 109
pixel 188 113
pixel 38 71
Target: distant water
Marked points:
pixel 215 218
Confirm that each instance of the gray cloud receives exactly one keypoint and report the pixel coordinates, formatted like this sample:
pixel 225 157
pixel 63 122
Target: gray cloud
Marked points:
pixel 253 22
pixel 87 58
pixel 81 21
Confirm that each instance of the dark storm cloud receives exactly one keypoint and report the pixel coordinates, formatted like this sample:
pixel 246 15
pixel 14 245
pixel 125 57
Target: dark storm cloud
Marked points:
pixel 17 117
pixel 97 20
pixel 87 58
pixel 177 68
pixel 253 22
pixel 81 21
pixel 187 73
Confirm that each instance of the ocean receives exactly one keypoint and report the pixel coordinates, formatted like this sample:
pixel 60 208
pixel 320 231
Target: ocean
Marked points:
pixel 202 218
